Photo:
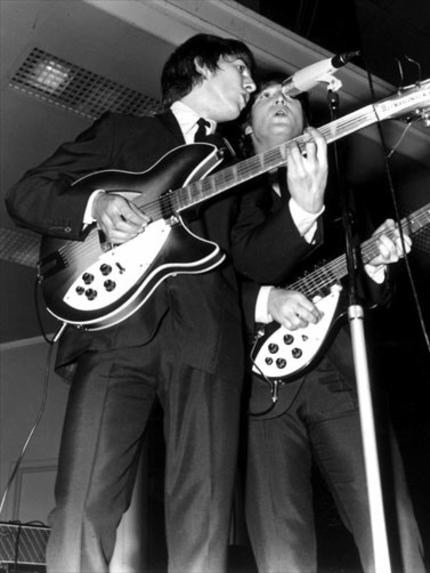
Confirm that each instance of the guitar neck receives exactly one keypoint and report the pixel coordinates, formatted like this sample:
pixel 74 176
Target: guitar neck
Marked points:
pixel 413 100
pixel 318 281
pixel 241 172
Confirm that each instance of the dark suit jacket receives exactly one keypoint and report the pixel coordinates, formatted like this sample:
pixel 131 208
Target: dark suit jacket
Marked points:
pixel 280 267
pixel 203 310
pixel 267 242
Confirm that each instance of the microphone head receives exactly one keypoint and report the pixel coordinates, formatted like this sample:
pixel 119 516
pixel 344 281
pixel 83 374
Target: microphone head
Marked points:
pixel 342 59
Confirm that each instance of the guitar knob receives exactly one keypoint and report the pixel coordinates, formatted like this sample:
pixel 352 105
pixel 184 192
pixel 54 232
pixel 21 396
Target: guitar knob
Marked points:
pixel 273 348
pixel 268 361
pixel 90 293
pixel 80 290
pixel 87 278
pixel 296 352
pixel 105 269
pixel 288 339
pixel 281 363
pixel 109 285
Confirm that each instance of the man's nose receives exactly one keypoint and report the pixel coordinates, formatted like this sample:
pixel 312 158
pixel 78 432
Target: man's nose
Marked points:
pixel 280 97
pixel 250 85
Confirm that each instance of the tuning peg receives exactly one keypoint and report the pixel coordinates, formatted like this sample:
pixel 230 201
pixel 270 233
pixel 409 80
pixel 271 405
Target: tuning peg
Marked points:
pixel 425 115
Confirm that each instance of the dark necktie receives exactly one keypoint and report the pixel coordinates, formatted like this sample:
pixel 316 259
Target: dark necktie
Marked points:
pixel 201 133
pixel 215 138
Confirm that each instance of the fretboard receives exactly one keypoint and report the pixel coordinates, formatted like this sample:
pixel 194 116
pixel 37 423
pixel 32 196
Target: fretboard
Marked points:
pixel 412 102
pixel 318 281
pixel 225 179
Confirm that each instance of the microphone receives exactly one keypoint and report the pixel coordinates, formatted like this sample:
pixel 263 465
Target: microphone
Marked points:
pixel 307 78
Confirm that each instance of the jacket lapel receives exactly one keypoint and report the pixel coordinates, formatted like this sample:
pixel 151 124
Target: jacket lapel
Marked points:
pixel 169 121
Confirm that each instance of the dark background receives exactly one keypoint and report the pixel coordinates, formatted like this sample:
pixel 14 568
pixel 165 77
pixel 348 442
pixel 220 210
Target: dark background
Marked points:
pixel 388 33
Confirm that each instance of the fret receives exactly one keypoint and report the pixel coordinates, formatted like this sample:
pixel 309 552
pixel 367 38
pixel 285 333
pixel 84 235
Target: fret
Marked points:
pixel 276 156
pixel 346 125
pixel 225 179
pixel 250 167
pixel 242 169
pixel 260 162
pixel 184 196
pixel 207 187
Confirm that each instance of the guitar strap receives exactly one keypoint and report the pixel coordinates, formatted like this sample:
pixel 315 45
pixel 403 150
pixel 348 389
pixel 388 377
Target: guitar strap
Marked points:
pixel 282 181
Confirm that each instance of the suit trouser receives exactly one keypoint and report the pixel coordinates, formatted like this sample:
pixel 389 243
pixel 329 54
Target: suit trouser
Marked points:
pixel 109 405
pixel 322 425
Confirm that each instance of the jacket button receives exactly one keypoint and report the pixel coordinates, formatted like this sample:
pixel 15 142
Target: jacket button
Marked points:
pixel 67 229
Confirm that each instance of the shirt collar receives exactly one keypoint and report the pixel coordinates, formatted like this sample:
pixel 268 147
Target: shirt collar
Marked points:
pixel 187 119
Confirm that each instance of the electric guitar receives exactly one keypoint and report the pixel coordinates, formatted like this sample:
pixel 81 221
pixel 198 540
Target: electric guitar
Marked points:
pixel 93 285
pixel 281 355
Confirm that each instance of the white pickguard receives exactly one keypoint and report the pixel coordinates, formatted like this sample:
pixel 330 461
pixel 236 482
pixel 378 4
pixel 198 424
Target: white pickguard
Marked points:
pixel 285 352
pixel 126 263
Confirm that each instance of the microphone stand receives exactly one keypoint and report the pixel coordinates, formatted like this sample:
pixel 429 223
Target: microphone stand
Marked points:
pixel 356 321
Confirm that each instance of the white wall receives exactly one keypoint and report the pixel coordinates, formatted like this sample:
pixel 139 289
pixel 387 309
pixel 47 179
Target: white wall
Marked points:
pixel 23 383
pixel 23 367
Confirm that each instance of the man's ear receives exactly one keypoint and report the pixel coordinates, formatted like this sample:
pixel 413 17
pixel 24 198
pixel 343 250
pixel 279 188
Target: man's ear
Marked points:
pixel 201 68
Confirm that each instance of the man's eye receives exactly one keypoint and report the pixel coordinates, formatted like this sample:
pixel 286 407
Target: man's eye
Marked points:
pixel 264 95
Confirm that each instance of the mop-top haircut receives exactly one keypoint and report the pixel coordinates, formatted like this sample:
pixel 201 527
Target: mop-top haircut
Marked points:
pixel 180 75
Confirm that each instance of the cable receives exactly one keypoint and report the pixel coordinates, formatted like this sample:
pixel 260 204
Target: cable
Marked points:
pixel 34 427
pixel 38 315
pixel 387 156
pixel 273 384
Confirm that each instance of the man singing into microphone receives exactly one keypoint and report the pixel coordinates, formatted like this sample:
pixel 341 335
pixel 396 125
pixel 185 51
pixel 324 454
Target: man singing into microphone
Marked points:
pixel 316 421
pixel 314 74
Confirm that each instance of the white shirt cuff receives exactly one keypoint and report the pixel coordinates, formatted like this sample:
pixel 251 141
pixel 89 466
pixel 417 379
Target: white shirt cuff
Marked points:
pixel 305 222
pixel 261 312
pixel 88 214
pixel 376 273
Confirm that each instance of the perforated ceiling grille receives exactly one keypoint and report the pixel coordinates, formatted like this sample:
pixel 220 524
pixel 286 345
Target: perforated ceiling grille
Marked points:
pixel 77 89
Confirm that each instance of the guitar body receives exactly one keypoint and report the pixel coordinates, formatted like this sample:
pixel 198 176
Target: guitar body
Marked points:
pixel 281 356
pixel 93 285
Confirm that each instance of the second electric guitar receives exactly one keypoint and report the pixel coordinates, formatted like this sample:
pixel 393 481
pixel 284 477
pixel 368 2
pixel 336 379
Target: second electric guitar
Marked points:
pixel 282 355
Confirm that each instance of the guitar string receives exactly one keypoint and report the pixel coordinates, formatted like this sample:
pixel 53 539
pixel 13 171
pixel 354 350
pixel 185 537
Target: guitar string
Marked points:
pixel 339 265
pixel 335 270
pixel 315 281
